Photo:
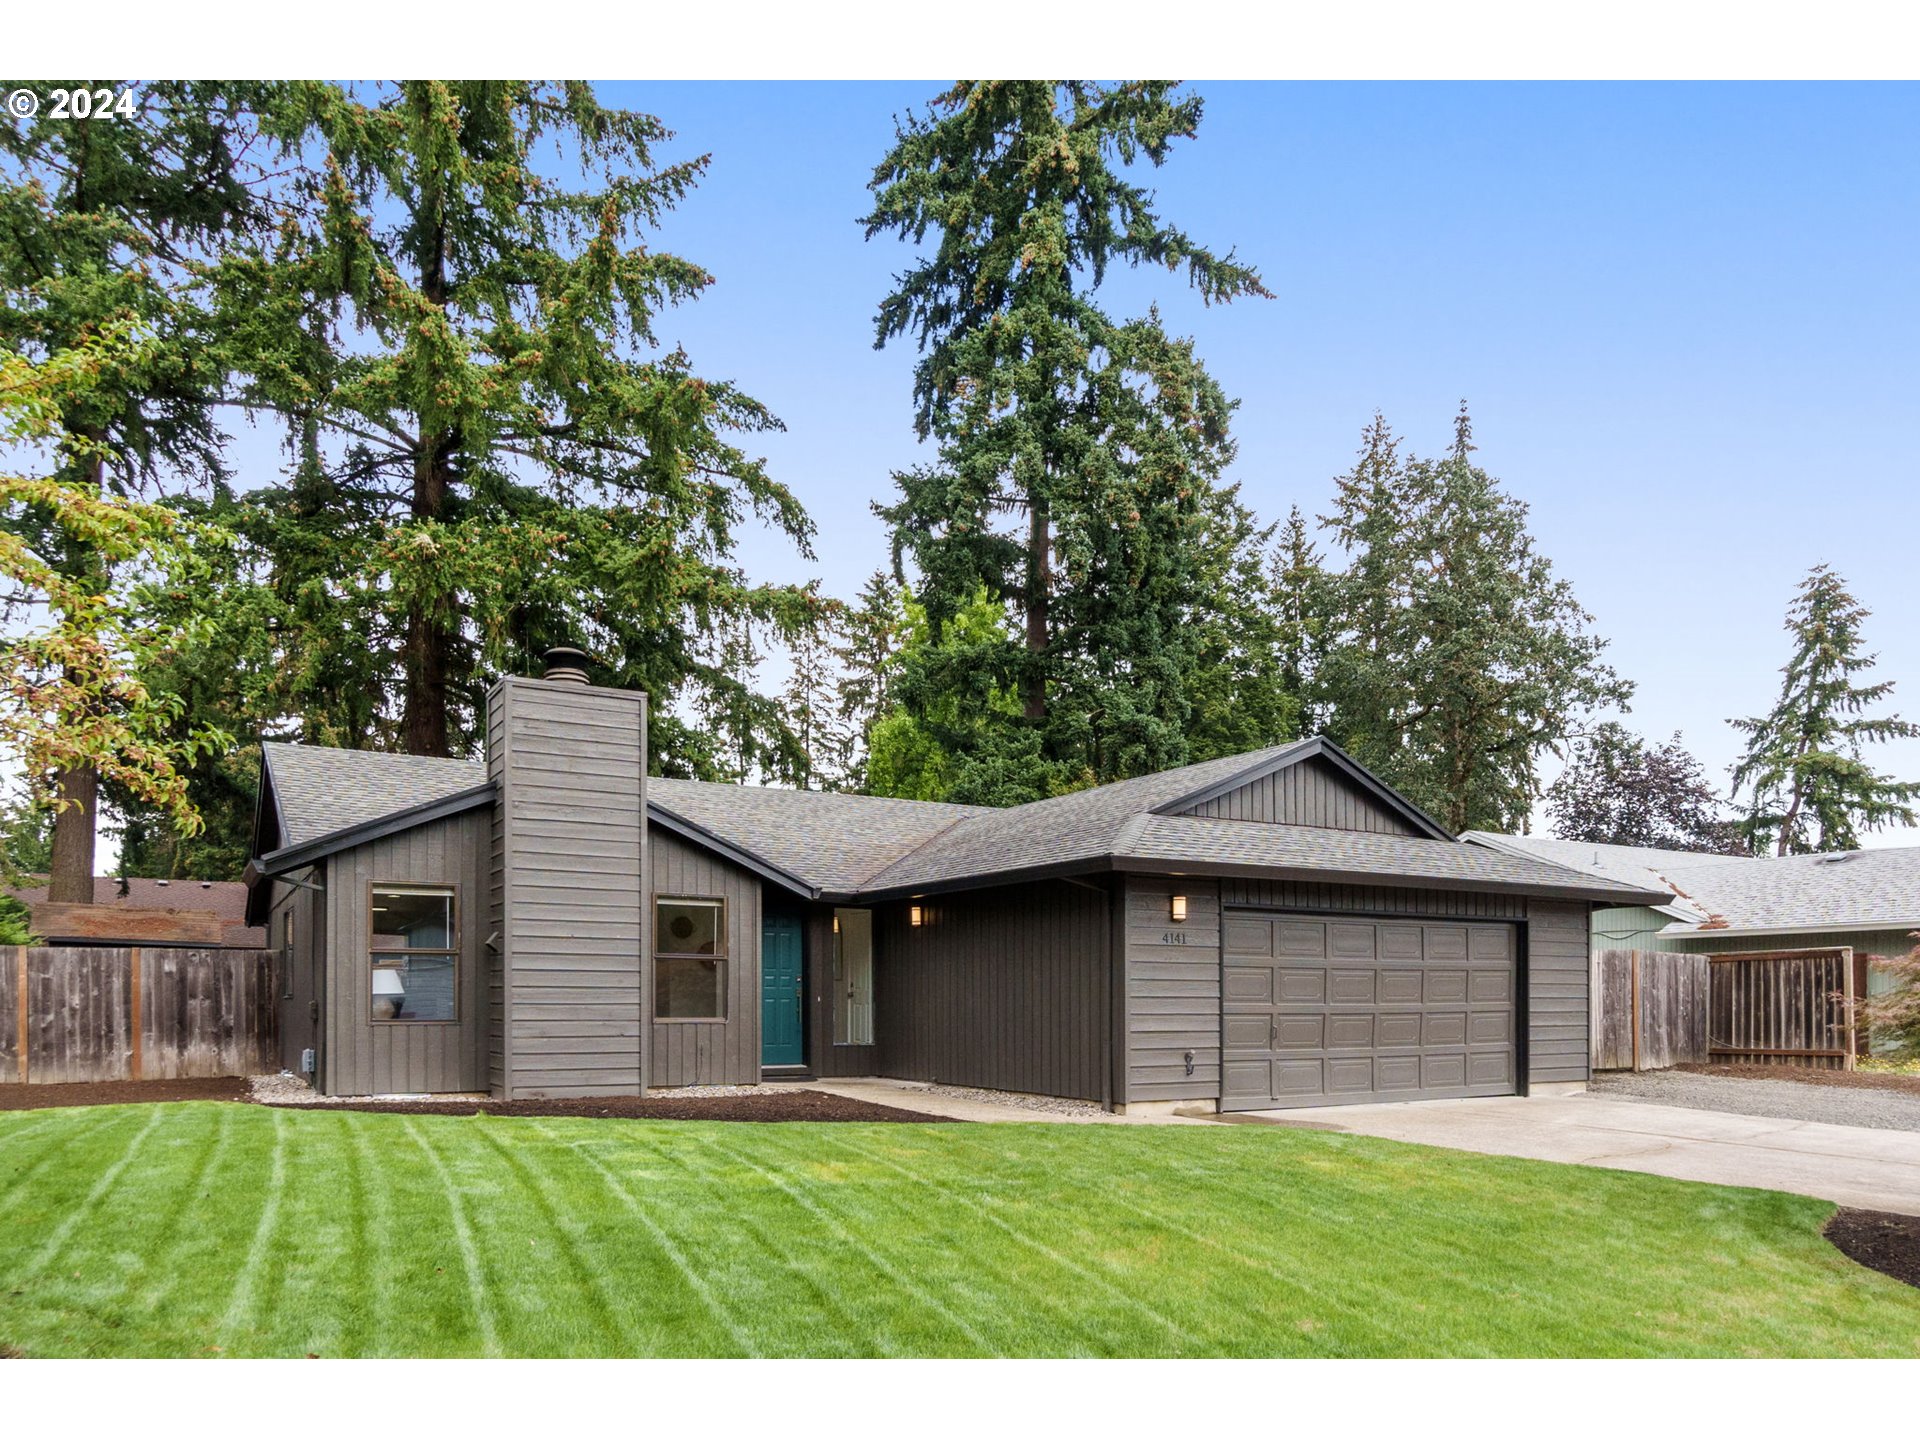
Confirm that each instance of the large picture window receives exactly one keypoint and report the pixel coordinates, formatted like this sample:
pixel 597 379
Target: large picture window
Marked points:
pixel 853 977
pixel 414 952
pixel 689 960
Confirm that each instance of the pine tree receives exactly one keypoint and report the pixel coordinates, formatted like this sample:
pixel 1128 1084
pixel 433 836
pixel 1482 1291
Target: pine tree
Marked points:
pixel 1076 453
pixel 1461 659
pixel 493 453
pixel 103 222
pixel 1809 787
pixel 865 653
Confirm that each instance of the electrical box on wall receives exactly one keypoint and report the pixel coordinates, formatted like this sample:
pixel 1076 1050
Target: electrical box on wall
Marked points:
pixel 306 1062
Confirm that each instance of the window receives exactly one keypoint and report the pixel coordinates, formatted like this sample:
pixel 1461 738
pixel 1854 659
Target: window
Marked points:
pixel 414 952
pixel 689 960
pixel 853 977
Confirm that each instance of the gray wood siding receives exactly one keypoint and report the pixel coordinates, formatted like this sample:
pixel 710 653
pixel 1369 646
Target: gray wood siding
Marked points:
pixel 1005 988
pixel 574 918
pixel 1309 793
pixel 712 1052
pixel 1172 991
pixel 362 1056
pixel 824 1058
pixel 497 893
pixel 1558 972
pixel 1372 900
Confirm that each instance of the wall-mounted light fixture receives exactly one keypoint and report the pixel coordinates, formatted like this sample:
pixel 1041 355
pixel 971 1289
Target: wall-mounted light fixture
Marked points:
pixel 1179 909
pixel 915 916
pixel 836 924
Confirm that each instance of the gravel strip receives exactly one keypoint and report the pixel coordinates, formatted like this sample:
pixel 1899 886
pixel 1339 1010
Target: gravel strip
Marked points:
pixel 1013 1100
pixel 1773 1099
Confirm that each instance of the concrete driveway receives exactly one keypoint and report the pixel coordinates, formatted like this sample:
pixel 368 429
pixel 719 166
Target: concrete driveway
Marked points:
pixel 1847 1164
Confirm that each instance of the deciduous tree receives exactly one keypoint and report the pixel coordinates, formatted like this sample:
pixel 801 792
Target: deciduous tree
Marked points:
pixel 1619 790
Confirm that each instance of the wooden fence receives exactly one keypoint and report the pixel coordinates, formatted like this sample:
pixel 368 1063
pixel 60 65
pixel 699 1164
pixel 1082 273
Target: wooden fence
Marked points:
pixel 1652 1008
pixel 1784 1007
pixel 76 1013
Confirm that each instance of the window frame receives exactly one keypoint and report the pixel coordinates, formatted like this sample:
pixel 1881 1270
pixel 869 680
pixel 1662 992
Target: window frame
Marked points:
pixel 723 952
pixel 454 951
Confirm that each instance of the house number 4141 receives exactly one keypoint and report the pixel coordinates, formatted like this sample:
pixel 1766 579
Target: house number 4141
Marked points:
pixel 1173 937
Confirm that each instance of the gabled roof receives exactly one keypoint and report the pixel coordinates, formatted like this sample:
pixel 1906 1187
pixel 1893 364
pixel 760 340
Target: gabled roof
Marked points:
pixel 833 846
pixel 1742 894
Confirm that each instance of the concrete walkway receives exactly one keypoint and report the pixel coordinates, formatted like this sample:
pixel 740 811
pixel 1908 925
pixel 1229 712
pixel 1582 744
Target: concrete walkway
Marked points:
pixel 908 1095
pixel 1847 1164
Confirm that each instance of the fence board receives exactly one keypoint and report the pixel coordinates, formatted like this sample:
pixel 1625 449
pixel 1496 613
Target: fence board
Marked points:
pixel 1783 1007
pixel 1652 1009
pixel 85 1013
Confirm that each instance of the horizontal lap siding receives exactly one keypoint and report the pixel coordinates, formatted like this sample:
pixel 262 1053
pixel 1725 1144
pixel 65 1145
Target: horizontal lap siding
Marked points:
pixel 570 762
pixel 712 1052
pixel 1173 991
pixel 1006 989
pixel 368 1057
pixel 1558 976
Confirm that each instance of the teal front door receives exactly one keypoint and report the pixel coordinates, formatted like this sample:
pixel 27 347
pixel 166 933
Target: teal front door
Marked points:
pixel 781 1039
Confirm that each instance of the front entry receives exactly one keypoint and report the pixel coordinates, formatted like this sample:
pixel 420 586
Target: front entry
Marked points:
pixel 782 1039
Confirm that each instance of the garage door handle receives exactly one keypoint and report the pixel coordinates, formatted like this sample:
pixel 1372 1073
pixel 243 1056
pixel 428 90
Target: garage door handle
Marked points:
pixel 1273 1032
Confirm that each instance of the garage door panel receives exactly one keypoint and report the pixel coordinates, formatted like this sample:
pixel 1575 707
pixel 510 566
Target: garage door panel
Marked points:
pixel 1350 1032
pixel 1244 982
pixel 1351 987
pixel 1398 1032
pixel 1347 1011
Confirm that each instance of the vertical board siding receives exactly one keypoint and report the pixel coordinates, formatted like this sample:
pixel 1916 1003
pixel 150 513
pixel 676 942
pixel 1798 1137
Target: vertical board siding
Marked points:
pixel 569 871
pixel 1311 792
pixel 201 1014
pixel 1309 896
pixel 712 1052
pixel 1003 988
pixel 1557 971
pixel 362 1056
pixel 1172 991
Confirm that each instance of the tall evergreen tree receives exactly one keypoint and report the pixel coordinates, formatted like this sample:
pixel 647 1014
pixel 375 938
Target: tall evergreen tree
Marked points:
pixel 102 221
pixel 1076 453
pixel 865 654
pixel 1462 657
pixel 1809 787
pixel 492 451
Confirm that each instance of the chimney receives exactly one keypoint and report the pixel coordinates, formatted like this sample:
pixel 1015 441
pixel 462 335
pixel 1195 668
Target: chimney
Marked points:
pixel 565 664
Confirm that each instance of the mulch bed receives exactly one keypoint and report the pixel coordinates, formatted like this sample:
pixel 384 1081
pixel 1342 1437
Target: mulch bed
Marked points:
pixel 1811 1075
pixel 1880 1241
pixel 785 1105
pixel 120 1092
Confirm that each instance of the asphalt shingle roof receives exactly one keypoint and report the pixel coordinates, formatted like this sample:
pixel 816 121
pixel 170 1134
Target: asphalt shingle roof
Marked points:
pixel 321 790
pixel 1866 889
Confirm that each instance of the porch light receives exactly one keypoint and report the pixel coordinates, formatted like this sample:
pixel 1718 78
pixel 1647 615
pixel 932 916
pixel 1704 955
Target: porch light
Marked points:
pixel 1179 909
pixel 836 924
pixel 915 916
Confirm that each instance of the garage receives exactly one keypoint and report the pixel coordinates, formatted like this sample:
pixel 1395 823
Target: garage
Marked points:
pixel 1341 1011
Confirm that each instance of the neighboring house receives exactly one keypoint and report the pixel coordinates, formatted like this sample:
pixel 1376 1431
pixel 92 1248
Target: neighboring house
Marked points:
pixel 1866 899
pixel 1277 928
pixel 133 910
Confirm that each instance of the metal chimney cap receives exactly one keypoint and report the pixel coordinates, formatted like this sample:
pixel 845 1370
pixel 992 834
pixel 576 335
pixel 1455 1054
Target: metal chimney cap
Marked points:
pixel 567 664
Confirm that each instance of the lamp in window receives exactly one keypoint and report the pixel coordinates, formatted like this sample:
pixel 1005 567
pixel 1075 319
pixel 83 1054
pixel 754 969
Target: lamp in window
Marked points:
pixel 915 915
pixel 1179 909
pixel 389 994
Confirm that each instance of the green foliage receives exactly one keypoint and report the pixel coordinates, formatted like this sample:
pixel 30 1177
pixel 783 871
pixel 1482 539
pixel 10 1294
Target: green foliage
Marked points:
pixel 1453 656
pixel 1077 455
pixel 16 923
pixel 491 451
pixel 1619 790
pixel 1893 1016
pixel 1809 787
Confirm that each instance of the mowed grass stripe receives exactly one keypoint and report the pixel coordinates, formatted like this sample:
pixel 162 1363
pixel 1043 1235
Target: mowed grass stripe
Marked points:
pixel 732 1239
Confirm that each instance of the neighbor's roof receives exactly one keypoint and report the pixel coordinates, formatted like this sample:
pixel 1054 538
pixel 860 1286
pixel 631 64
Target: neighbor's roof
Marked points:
pixel 848 846
pixel 1720 894
pixel 226 900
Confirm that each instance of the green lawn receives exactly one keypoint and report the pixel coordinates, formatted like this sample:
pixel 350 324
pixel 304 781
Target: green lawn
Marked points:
pixel 228 1229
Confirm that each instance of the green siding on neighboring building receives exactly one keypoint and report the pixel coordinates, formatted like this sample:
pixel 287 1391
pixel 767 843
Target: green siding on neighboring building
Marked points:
pixel 1630 927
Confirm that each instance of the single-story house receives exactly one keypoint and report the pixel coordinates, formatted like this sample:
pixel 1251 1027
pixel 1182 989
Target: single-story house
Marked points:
pixel 142 910
pixel 1271 929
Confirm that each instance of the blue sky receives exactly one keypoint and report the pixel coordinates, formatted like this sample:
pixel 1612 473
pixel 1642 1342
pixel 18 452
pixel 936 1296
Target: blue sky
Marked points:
pixel 1685 318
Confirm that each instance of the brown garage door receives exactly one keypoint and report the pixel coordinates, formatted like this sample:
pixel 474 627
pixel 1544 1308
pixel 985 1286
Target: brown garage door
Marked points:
pixel 1339 1012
